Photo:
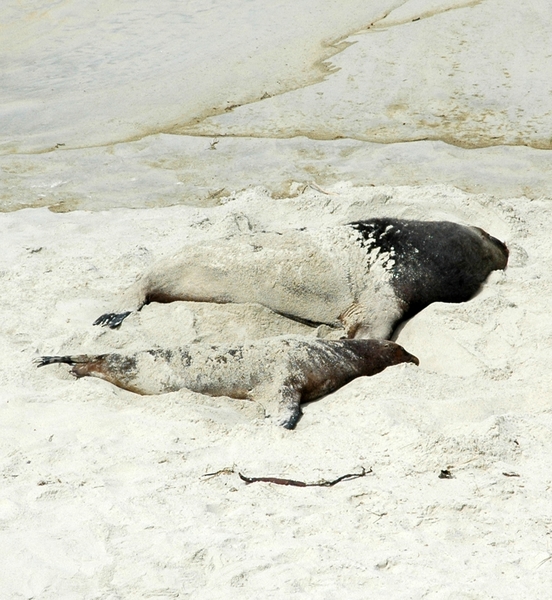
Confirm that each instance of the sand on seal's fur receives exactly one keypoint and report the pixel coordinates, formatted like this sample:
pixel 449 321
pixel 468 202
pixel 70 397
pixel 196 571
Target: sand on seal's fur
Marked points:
pixel 278 372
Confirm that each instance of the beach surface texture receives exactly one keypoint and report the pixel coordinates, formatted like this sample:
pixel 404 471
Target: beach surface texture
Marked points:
pixel 129 130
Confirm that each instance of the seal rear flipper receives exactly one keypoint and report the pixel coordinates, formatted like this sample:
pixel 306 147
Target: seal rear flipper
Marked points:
pixel 52 360
pixel 112 320
pixel 83 364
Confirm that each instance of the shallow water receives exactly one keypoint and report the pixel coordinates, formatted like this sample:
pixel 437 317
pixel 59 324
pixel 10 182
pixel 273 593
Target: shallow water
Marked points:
pixel 134 105
pixel 81 74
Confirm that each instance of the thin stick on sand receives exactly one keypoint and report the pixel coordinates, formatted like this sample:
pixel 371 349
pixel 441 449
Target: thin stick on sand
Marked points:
pixel 293 482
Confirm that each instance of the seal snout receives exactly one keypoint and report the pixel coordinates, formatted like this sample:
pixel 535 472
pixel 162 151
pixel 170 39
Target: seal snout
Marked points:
pixel 499 250
pixel 503 250
pixel 402 356
pixel 414 359
pixel 407 357
pixel 396 355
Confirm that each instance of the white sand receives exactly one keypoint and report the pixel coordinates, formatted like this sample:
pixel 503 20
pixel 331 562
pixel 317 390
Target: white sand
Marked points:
pixel 103 492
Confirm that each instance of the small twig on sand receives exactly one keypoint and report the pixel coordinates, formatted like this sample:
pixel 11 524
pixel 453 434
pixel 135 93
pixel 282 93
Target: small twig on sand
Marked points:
pixel 295 483
pixel 316 187
pixel 543 561
pixel 225 471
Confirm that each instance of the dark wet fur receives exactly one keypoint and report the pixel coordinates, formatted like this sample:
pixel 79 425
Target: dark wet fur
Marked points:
pixel 436 261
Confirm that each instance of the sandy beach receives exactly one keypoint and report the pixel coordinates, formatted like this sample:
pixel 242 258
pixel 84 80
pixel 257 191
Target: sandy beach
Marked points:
pixel 110 495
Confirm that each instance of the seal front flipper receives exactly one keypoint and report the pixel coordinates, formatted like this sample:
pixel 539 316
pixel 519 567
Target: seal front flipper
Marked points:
pixel 288 411
pixel 290 417
pixel 112 320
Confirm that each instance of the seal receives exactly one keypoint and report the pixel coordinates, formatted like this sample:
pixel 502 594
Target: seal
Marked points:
pixel 279 372
pixel 366 276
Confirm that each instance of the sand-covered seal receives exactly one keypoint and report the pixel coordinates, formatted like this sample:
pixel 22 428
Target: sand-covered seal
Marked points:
pixel 365 276
pixel 279 372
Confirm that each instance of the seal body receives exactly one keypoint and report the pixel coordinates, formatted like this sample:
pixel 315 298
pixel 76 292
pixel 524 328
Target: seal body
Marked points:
pixel 365 276
pixel 281 372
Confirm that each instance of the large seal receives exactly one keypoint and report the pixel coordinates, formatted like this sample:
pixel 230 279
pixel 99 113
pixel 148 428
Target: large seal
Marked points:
pixel 282 372
pixel 365 276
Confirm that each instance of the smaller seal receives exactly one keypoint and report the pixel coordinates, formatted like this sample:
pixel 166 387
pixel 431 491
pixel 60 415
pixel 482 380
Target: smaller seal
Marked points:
pixel 279 372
